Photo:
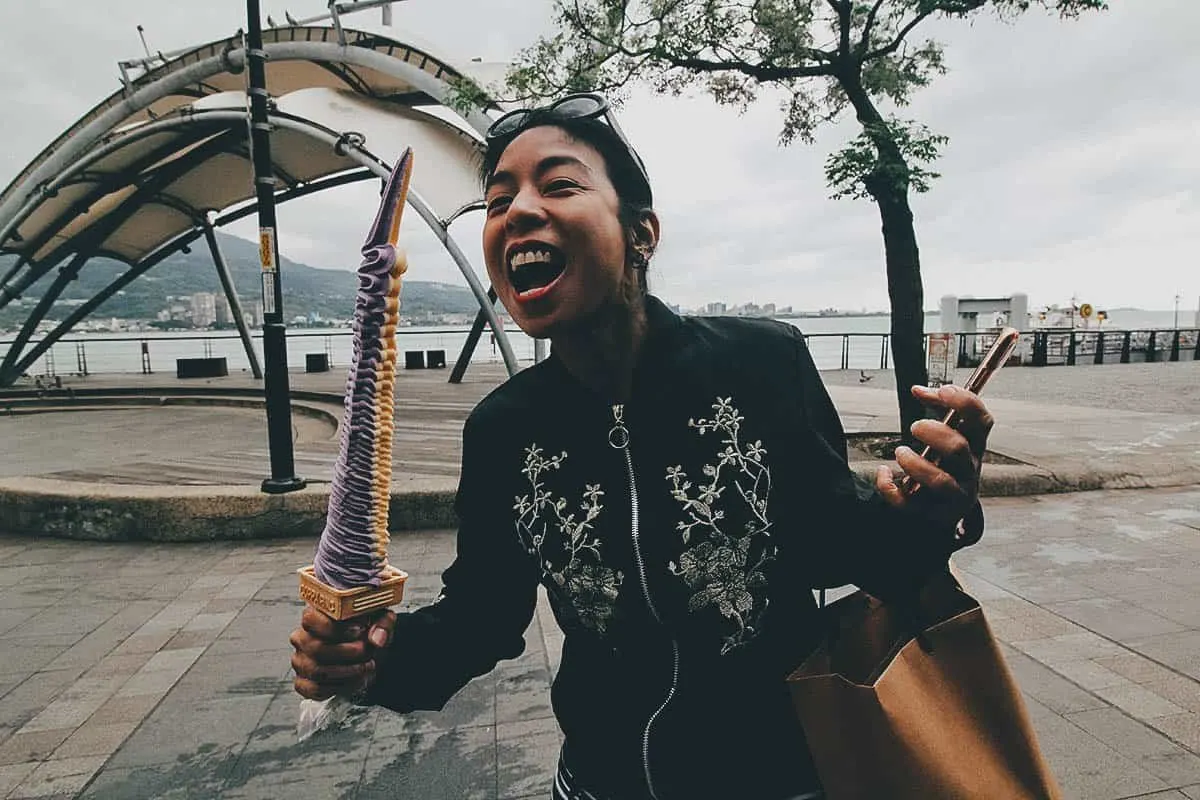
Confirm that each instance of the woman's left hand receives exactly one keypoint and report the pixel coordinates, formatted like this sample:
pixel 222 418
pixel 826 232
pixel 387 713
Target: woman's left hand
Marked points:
pixel 949 491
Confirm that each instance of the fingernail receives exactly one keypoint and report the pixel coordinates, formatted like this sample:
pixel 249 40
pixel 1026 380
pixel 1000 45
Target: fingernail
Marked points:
pixel 903 450
pixel 379 637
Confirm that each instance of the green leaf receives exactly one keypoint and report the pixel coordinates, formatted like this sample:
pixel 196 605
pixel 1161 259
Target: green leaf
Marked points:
pixel 887 156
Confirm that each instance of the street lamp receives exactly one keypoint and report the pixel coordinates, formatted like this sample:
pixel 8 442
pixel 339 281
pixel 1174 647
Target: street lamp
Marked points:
pixel 279 407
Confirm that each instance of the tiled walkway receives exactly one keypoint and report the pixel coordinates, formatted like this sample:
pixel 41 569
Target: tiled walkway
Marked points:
pixel 155 671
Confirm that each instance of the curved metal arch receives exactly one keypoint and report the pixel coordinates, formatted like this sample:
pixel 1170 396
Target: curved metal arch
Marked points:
pixel 90 244
pixel 175 78
pixel 137 270
pixel 67 176
pixel 14 363
pixel 226 56
pixel 147 192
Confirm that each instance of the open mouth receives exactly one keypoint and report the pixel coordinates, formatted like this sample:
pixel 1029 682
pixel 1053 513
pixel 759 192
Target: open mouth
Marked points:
pixel 534 268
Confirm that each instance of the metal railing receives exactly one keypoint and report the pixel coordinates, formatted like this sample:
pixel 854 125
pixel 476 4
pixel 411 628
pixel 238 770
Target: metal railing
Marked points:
pixel 146 353
pixel 1069 347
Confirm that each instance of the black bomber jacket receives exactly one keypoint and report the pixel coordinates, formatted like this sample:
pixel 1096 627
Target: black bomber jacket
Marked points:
pixel 679 536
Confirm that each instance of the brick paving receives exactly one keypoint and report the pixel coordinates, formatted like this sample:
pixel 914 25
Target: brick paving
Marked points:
pixel 161 671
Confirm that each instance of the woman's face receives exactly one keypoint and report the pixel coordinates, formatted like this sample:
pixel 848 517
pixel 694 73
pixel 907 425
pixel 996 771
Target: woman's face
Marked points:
pixel 553 241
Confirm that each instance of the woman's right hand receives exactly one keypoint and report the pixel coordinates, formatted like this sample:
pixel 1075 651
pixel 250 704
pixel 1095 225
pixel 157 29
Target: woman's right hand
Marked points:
pixel 338 658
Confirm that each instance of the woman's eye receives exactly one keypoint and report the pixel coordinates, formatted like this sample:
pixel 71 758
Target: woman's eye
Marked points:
pixel 497 203
pixel 559 185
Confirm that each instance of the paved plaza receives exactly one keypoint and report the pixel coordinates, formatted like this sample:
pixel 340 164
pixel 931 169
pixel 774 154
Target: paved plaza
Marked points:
pixel 137 670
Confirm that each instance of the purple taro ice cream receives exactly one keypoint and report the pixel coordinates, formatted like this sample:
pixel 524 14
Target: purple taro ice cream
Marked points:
pixel 353 551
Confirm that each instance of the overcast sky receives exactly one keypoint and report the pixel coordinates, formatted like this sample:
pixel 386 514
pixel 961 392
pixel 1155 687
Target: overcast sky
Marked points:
pixel 1072 168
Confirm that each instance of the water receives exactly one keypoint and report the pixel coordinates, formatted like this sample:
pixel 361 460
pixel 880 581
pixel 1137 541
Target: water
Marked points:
pixel 122 352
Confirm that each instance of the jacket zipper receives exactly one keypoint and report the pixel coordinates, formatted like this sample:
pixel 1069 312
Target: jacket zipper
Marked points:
pixel 618 438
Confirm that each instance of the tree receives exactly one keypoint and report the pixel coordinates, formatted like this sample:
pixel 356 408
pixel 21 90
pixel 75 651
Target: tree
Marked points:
pixel 826 57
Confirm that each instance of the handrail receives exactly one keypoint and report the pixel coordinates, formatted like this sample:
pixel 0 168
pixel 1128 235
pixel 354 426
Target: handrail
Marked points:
pixel 830 349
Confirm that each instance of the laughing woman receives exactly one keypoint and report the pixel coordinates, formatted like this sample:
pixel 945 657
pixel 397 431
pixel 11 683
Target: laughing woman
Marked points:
pixel 678 485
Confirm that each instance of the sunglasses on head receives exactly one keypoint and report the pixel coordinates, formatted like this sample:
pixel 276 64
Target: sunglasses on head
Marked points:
pixel 586 105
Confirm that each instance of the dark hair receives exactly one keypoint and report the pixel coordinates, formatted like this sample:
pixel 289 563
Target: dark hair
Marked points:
pixel 633 192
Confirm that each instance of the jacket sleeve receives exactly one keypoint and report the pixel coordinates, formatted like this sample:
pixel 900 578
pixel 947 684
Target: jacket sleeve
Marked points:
pixel 486 602
pixel 854 536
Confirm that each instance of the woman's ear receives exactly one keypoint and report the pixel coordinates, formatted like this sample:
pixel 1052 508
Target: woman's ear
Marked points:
pixel 649 230
pixel 644 238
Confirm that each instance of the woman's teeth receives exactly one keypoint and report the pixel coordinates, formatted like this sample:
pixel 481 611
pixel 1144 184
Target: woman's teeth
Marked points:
pixel 521 259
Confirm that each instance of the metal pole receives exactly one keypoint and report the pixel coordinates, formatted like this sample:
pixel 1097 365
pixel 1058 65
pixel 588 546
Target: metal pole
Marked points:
pixel 279 408
pixel 231 296
pixel 464 357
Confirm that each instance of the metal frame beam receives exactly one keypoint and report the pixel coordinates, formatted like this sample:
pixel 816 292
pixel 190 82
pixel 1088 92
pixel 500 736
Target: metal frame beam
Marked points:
pixel 426 213
pixel 300 190
pixel 468 350
pixel 231 295
pixel 73 153
pixel 87 308
pixel 107 184
pixel 232 60
pixel 8 371
pixel 94 236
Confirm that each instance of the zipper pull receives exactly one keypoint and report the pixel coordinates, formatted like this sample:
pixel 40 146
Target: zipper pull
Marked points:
pixel 618 435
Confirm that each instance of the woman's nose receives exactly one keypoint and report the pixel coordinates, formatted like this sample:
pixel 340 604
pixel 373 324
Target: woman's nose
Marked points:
pixel 525 211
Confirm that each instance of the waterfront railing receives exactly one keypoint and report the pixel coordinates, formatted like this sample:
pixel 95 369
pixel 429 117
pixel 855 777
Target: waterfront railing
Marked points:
pixel 150 353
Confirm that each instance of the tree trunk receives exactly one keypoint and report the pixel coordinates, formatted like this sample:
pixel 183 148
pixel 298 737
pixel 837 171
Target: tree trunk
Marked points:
pixel 888 186
pixel 908 303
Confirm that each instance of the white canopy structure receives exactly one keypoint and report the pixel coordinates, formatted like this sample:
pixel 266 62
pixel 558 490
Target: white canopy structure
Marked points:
pixel 166 160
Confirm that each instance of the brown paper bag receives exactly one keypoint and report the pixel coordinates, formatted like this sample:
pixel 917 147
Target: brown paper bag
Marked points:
pixel 887 718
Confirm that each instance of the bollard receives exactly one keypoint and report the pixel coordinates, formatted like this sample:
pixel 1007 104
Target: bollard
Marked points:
pixel 1039 348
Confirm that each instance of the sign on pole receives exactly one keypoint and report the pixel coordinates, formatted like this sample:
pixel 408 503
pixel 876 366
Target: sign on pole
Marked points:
pixel 941 360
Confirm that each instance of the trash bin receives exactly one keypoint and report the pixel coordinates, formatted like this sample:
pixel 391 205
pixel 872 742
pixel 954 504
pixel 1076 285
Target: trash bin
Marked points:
pixel 414 359
pixel 316 362
pixel 201 367
pixel 435 359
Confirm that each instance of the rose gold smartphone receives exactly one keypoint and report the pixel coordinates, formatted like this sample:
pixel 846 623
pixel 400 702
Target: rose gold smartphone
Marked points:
pixel 995 358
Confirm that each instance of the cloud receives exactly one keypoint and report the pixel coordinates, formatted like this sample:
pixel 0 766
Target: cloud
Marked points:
pixel 1071 166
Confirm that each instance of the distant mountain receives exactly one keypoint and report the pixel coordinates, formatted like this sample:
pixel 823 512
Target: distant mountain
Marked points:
pixel 329 293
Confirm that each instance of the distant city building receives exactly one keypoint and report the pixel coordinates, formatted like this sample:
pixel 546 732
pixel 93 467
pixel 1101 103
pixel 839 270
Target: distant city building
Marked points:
pixel 768 309
pixel 224 311
pixel 204 309
pixel 715 308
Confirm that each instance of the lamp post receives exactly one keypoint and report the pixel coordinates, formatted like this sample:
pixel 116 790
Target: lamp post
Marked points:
pixel 279 408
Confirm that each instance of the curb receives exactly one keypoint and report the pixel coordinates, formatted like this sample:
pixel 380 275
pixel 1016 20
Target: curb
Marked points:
pixel 123 513
pixel 112 513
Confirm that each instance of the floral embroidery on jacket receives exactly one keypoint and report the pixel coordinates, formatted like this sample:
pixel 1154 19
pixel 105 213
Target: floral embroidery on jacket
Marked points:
pixel 723 566
pixel 580 578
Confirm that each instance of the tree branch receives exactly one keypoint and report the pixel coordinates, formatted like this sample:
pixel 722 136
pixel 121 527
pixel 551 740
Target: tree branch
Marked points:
pixel 762 72
pixel 842 7
pixel 894 45
pixel 865 41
